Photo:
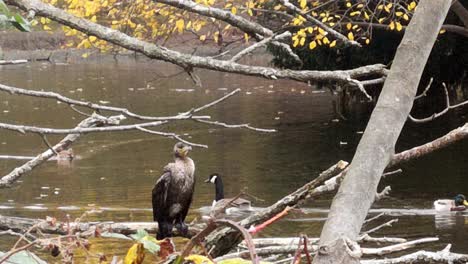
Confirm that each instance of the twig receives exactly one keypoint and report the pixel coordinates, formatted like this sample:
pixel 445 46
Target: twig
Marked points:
pixel 10 253
pixel 171 135
pixel 44 138
pixel 389 223
pixel 259 44
pixel 424 93
pixel 247 126
pixel 374 218
pixel 447 108
pixel 384 193
pixel 255 229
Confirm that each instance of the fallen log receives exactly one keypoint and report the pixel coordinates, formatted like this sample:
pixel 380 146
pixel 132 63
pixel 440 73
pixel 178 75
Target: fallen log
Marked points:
pixel 21 225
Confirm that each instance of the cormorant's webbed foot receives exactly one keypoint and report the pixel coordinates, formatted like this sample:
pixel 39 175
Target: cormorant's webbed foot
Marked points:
pixel 182 228
pixel 164 230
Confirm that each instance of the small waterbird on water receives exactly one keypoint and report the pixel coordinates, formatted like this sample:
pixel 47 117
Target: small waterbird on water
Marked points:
pixel 225 204
pixel 458 203
pixel 172 194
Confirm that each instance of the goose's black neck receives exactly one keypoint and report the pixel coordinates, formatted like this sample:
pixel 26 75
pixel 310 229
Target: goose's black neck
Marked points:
pixel 219 189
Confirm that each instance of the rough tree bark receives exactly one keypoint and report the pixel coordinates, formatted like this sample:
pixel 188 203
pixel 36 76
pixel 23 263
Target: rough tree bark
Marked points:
pixel 358 189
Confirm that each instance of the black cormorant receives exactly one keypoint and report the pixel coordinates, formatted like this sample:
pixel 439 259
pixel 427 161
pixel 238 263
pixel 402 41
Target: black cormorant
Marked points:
pixel 225 204
pixel 172 194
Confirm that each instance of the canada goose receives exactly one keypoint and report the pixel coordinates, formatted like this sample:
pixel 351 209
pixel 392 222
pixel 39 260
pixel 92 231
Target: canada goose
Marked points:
pixel 225 204
pixel 172 194
pixel 458 203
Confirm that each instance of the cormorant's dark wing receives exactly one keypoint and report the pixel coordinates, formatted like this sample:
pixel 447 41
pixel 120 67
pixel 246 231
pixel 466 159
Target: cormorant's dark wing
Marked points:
pixel 160 206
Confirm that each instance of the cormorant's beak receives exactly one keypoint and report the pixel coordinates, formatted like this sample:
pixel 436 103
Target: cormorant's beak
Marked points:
pixel 207 180
pixel 186 150
pixel 465 203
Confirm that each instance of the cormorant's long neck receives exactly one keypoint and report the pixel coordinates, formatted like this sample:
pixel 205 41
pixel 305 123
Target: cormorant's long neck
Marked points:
pixel 219 189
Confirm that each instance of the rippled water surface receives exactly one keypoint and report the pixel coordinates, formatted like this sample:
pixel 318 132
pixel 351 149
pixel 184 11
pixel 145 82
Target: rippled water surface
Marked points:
pixel 117 171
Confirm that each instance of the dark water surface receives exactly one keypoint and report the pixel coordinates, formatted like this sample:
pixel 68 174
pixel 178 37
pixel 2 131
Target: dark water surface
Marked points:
pixel 117 171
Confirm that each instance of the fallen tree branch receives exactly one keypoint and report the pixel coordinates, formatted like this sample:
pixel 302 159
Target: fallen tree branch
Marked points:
pixel 7 62
pixel 94 121
pixel 422 255
pixel 397 247
pixel 20 224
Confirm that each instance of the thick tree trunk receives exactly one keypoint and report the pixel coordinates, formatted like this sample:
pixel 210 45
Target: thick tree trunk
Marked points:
pixel 357 192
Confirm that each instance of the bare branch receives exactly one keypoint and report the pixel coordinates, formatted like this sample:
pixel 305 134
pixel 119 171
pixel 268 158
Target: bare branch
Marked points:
pixel 441 113
pixel 171 135
pixel 431 257
pixel 259 44
pixel 424 93
pixel 383 194
pixel 73 102
pixel 397 247
pixel 389 223
pixel 361 87
pixel 216 123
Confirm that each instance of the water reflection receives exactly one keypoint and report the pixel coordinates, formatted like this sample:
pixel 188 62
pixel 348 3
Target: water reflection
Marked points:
pixel 117 171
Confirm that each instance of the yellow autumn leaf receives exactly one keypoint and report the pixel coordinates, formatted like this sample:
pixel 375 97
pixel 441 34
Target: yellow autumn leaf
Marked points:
pixel 348 26
pixel 332 44
pixel 92 38
pixel 399 27
pixel 43 20
pixel 351 36
pixel 203 37
pixel 348 4
pixel 325 40
pixel 312 45
pixel 398 14
pixel 411 6
pixel 85 55
pixel 180 24
pixel 249 11
pixel 302 41
pixel 405 17
pixel 366 16
pixel 367 41
pixel 234 10
pixel 392 25
pixel 302 3
pixel 46 27
pixel 246 37
pixel 198 259
pixel 135 255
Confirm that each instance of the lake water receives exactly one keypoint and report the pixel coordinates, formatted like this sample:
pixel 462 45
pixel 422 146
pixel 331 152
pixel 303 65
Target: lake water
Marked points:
pixel 117 171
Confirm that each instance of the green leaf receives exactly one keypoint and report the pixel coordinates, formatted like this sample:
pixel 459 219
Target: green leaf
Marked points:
pixel 4 9
pixel 21 23
pixel 140 234
pixel 150 246
pixel 24 257
pixel 115 235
